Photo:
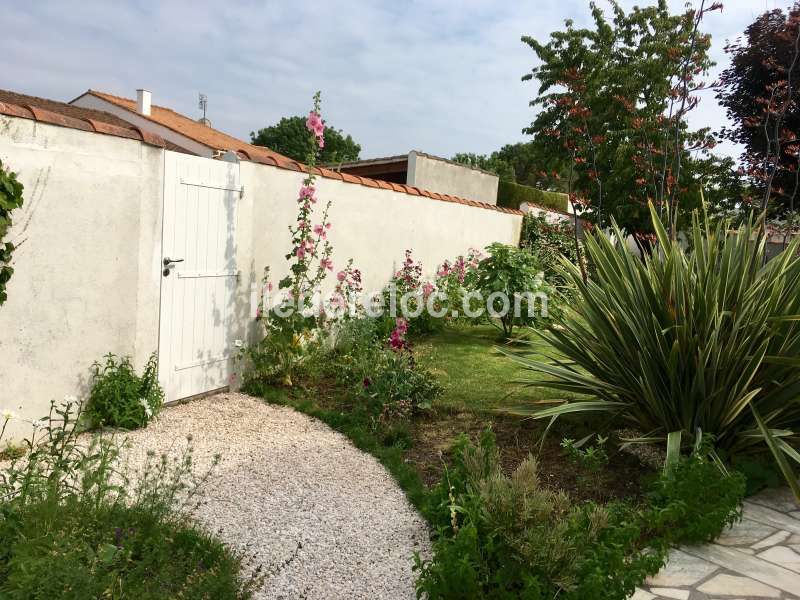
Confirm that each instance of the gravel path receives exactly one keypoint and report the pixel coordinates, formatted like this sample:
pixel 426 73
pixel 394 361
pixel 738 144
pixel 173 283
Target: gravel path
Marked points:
pixel 323 518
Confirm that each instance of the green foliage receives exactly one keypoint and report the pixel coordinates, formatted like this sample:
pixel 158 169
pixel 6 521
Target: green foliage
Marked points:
pixel 74 524
pixel 10 199
pixel 604 91
pixel 491 163
pixel 396 379
pixel 393 382
pixel 119 397
pixel 694 502
pixel 535 166
pixel 289 137
pixel 507 536
pixel 512 195
pixel 685 339
pixel 550 242
pixel 588 458
pixel 515 274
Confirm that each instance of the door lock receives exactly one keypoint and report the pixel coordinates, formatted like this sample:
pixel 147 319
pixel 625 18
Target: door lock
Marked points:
pixel 169 263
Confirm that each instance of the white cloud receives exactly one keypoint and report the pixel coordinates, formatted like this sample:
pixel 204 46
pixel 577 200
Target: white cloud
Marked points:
pixel 438 76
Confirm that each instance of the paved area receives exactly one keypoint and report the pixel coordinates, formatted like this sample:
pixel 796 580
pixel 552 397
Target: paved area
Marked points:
pixel 757 558
pixel 321 518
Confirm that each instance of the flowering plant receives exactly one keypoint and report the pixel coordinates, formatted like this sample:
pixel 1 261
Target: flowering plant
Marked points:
pixel 408 282
pixel 455 280
pixel 291 325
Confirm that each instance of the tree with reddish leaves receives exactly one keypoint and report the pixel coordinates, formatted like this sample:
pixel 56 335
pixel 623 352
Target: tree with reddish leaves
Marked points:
pixel 614 102
pixel 760 93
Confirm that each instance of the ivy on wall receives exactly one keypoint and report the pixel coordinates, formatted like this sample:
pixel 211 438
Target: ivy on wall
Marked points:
pixel 10 199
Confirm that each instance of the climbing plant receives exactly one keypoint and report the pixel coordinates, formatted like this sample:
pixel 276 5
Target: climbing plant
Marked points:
pixel 10 199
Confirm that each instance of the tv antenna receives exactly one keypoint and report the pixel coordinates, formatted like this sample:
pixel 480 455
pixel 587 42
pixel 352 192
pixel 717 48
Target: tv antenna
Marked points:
pixel 202 104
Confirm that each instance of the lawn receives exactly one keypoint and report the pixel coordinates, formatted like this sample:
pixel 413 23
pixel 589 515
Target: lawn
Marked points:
pixel 475 375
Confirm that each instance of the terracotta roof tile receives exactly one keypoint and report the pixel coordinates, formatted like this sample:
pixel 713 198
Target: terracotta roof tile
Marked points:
pixel 200 133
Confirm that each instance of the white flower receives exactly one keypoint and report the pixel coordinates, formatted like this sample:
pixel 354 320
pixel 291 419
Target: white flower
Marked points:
pixel 147 410
pixel 43 422
pixel 8 414
pixel 70 399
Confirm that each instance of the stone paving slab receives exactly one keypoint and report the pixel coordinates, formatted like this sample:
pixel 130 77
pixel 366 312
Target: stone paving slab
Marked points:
pixel 756 559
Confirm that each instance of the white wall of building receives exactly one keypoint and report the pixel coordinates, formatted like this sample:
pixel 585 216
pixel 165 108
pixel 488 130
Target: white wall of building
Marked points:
pixel 446 177
pixel 87 273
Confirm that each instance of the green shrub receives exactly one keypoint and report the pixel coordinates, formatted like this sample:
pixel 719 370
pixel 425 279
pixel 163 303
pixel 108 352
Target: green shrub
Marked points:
pixel 121 398
pixel 395 378
pixel 507 536
pixel 515 274
pixel 74 524
pixel 10 199
pixel 694 500
pixel 704 338
pixel 549 242
pixel 392 380
pixel 512 195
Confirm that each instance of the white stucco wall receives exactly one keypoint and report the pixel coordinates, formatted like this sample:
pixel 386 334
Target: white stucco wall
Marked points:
pixel 445 177
pixel 87 274
pixel 372 226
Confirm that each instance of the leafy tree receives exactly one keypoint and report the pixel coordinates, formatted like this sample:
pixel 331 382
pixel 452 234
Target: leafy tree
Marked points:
pixel 10 199
pixel 289 137
pixel 614 100
pixel 533 166
pixel 492 163
pixel 760 94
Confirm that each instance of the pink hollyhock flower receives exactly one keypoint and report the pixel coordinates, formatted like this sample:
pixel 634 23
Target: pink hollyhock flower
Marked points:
pixel 427 289
pixel 320 141
pixel 307 193
pixel 300 252
pixel 341 275
pixel 320 231
pixel 326 263
pixel 327 225
pixel 401 325
pixel 314 123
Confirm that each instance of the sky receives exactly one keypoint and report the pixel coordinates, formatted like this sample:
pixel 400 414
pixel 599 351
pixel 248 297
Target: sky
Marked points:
pixel 440 76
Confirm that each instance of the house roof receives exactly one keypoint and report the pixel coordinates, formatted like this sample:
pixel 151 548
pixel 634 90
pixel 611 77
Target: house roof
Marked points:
pixel 96 121
pixel 76 117
pixel 401 158
pixel 199 132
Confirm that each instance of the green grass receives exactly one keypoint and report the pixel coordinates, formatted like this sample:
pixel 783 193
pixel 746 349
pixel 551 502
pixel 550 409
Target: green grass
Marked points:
pixel 474 374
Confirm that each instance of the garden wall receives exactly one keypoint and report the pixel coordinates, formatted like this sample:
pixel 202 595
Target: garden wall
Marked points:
pixel 373 226
pixel 87 275
pixel 88 265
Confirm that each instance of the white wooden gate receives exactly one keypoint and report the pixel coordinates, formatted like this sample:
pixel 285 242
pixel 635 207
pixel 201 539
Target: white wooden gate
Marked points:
pixel 199 278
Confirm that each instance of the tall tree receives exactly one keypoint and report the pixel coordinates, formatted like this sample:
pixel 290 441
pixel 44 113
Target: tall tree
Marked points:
pixel 614 100
pixel 760 93
pixel 289 137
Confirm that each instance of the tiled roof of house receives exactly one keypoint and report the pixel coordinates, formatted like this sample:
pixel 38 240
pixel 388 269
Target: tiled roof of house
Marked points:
pixel 75 117
pixel 199 132
pixel 68 115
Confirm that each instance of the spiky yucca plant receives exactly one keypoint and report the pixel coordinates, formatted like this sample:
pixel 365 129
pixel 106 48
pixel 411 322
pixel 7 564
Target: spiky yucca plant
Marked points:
pixel 686 340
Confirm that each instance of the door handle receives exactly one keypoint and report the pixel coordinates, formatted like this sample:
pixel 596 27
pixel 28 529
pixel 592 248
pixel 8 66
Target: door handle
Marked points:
pixel 171 261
